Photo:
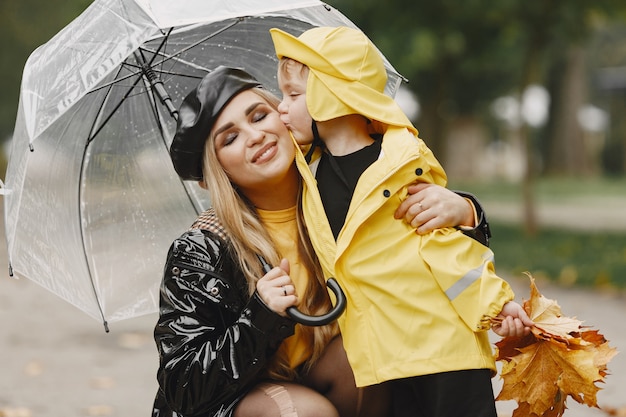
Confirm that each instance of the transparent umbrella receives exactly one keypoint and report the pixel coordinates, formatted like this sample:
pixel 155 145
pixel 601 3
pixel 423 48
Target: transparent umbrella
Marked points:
pixel 91 199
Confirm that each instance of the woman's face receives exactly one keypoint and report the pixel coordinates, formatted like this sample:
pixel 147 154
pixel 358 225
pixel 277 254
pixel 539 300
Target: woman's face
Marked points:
pixel 253 145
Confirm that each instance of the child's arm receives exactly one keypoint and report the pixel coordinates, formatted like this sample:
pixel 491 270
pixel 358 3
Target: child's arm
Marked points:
pixel 512 321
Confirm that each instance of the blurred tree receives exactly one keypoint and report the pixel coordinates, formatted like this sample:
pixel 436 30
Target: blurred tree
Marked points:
pixel 457 56
pixel 565 151
pixel 554 35
pixel 460 56
pixel 607 55
pixel 24 25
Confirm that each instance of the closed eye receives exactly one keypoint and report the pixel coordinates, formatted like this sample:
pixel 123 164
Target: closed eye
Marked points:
pixel 258 116
pixel 229 138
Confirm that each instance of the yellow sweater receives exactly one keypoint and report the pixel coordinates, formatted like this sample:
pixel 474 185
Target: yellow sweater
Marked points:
pixel 283 229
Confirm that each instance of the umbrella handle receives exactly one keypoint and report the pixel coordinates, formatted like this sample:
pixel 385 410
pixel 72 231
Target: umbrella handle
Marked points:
pixel 324 319
pixel 299 317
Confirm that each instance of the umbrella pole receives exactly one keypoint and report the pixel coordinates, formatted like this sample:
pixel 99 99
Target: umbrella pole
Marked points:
pixel 157 85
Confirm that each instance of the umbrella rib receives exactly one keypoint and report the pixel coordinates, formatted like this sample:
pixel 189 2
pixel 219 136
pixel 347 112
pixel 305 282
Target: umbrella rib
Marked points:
pixel 206 38
pixel 139 68
pixel 117 106
pixel 82 168
pixel 117 80
pixel 160 71
pixel 166 57
pixel 146 71
pixel 166 36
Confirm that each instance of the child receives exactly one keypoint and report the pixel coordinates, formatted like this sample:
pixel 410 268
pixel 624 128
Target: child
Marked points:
pixel 419 306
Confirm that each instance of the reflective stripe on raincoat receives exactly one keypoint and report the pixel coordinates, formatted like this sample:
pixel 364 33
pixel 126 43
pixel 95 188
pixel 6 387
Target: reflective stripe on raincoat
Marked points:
pixel 417 305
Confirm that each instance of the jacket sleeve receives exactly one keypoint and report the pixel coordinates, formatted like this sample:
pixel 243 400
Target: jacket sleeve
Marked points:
pixel 481 231
pixel 213 340
pixel 465 271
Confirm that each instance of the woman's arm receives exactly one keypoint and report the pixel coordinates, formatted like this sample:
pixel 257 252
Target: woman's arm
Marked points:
pixel 429 207
pixel 213 341
pixel 479 229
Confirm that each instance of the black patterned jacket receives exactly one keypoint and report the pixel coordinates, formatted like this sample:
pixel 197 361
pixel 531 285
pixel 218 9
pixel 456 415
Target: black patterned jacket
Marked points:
pixel 214 340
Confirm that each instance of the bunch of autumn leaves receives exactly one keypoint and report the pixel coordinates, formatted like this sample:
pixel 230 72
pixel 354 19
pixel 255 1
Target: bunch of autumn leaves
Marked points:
pixel 559 358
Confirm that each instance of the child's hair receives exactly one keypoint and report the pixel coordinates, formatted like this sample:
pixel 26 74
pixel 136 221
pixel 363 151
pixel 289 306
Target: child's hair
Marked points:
pixel 249 238
pixel 288 69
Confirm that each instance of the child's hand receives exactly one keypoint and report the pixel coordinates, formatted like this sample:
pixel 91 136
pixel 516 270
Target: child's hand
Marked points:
pixel 512 321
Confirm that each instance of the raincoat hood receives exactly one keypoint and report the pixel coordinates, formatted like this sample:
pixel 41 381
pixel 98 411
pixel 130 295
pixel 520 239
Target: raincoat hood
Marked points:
pixel 197 115
pixel 346 74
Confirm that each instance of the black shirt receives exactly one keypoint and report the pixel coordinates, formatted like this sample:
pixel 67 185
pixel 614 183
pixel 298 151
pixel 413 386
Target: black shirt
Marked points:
pixel 337 177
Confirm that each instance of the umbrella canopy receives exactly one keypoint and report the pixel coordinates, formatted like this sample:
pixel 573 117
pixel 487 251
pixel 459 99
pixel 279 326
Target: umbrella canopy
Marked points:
pixel 91 199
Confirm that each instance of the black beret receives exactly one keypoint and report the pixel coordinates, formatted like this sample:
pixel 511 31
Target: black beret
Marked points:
pixel 197 115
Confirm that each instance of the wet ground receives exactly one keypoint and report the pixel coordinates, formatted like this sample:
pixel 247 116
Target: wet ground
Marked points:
pixel 55 361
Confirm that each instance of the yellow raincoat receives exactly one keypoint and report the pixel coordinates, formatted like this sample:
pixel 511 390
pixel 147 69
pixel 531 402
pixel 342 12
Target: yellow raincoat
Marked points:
pixel 416 304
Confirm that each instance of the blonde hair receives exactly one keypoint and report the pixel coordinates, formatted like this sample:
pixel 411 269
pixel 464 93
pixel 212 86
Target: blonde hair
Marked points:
pixel 289 69
pixel 249 239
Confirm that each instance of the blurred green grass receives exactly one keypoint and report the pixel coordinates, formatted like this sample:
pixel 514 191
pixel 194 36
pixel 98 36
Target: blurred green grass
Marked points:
pixel 547 189
pixel 588 259
pixel 565 256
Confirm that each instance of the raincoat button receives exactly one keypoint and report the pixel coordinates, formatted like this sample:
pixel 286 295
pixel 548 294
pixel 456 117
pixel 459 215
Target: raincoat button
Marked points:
pixel 387 193
pixel 175 270
pixel 214 291
pixel 419 171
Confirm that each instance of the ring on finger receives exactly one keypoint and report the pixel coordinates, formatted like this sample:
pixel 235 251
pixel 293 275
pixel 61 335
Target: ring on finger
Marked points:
pixel 284 291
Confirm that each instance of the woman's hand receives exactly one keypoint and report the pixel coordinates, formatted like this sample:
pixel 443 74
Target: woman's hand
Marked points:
pixel 277 290
pixel 512 321
pixel 429 207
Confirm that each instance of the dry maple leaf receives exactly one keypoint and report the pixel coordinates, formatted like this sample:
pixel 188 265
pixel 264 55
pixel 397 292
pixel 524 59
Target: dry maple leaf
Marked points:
pixel 560 358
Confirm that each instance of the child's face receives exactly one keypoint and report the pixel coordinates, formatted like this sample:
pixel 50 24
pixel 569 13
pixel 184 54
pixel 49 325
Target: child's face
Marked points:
pixel 293 110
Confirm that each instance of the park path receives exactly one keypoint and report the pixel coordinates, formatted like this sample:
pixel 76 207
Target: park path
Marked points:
pixel 607 213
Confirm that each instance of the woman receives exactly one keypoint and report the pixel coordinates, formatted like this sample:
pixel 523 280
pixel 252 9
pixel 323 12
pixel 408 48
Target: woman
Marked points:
pixel 226 345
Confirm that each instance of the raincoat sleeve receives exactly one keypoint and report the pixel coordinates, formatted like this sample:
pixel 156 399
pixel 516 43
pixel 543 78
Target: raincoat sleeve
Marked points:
pixel 481 231
pixel 213 340
pixel 465 271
